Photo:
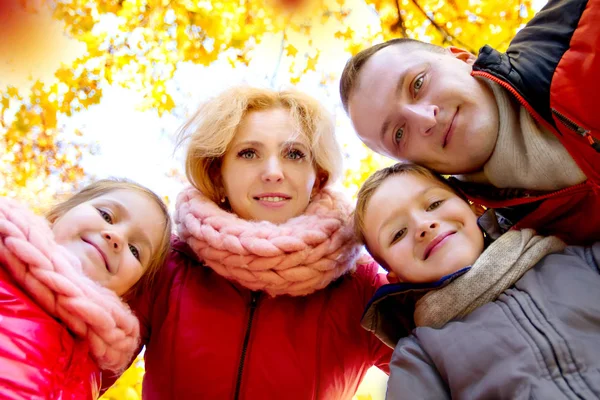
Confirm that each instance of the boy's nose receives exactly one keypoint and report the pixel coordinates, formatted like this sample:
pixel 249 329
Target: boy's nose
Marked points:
pixel 426 229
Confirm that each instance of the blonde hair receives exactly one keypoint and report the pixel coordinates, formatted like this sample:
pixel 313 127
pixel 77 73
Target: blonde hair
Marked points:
pixel 104 186
pixel 374 182
pixel 212 128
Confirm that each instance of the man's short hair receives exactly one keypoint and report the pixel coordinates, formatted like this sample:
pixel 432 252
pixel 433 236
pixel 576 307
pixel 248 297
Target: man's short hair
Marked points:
pixel 354 65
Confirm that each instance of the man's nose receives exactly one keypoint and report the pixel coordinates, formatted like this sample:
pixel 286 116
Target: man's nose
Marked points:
pixel 421 118
pixel 273 170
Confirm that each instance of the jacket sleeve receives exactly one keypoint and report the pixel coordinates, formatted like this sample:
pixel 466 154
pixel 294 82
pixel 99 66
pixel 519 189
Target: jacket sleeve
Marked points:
pixel 413 375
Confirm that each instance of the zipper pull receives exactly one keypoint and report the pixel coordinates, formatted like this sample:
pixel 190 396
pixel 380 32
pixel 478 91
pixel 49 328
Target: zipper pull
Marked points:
pixel 593 142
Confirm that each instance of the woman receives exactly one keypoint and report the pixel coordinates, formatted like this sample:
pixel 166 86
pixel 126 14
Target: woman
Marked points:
pixel 261 296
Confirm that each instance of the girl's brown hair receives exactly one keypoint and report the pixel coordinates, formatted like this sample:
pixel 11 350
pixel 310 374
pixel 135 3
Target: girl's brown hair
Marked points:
pixel 210 131
pixel 104 186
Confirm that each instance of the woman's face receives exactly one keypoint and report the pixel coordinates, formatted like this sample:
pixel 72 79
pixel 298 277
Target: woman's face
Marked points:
pixel 268 172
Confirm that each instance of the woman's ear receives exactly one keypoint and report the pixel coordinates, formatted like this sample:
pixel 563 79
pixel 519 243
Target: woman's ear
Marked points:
pixel 320 182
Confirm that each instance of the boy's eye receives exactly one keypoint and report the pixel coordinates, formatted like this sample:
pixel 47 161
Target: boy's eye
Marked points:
pixel 247 154
pixel 295 154
pixel 398 235
pixel 398 135
pixel 106 216
pixel 134 251
pixel 434 205
pixel 418 84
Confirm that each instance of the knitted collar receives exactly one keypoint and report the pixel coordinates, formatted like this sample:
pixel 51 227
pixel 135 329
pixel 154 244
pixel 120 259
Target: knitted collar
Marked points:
pixel 296 257
pixel 53 277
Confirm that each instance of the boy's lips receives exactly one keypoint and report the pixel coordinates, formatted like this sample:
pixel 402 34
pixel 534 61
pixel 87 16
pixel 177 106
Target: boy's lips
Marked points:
pixel 102 255
pixel 436 243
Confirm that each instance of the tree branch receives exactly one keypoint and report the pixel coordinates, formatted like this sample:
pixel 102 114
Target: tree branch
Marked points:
pixel 443 30
pixel 400 23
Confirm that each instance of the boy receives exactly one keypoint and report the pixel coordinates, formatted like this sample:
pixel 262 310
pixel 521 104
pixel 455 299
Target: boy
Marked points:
pixel 520 319
pixel 518 131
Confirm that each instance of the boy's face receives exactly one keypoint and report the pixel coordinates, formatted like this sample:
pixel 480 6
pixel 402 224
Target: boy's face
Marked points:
pixel 420 229
pixel 425 107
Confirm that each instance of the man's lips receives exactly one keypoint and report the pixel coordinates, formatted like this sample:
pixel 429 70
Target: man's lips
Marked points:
pixel 436 243
pixel 450 130
pixel 99 250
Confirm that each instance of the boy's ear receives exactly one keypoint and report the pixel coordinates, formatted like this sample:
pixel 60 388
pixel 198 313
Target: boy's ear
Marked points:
pixel 392 277
pixel 477 209
pixel 462 55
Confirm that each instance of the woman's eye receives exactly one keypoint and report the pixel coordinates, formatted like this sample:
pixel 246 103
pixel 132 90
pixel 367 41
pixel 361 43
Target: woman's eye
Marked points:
pixel 295 154
pixel 399 235
pixel 434 205
pixel 134 251
pixel 247 154
pixel 418 84
pixel 106 216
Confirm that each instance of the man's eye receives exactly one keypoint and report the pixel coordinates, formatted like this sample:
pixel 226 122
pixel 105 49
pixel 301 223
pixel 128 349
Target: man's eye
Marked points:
pixel 434 205
pixel 398 235
pixel 134 251
pixel 106 216
pixel 398 135
pixel 248 154
pixel 418 84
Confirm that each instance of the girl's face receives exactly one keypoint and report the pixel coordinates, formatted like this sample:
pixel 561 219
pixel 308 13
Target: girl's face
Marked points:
pixel 420 229
pixel 268 172
pixel 114 236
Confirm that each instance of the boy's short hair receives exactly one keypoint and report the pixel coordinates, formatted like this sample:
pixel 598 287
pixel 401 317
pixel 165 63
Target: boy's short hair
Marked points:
pixel 374 182
pixel 349 78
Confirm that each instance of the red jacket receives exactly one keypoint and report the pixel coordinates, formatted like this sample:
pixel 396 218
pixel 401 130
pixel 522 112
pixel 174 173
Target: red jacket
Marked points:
pixel 207 338
pixel 39 358
pixel 552 67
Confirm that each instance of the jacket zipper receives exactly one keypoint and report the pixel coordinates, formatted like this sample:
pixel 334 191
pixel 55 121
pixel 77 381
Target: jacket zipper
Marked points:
pixel 568 123
pixel 253 303
pixel 578 129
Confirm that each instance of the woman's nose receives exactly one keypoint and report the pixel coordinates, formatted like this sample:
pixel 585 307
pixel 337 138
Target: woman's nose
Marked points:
pixel 273 171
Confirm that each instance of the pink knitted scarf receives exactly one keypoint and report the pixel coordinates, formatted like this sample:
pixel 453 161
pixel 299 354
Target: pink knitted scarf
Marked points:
pixel 53 277
pixel 295 258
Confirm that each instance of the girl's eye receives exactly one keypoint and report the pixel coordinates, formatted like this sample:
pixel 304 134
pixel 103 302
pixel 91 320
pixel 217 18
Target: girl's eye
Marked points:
pixel 418 84
pixel 134 251
pixel 398 135
pixel 434 205
pixel 106 216
pixel 399 235
pixel 295 154
pixel 247 154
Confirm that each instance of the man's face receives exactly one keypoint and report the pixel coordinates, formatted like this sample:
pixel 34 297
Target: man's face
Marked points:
pixel 416 105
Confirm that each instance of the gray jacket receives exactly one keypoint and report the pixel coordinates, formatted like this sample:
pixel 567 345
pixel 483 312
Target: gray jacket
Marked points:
pixel 539 340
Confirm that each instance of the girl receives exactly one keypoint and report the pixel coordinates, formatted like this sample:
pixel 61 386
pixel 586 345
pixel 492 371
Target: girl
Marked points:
pixel 61 318
pixel 261 296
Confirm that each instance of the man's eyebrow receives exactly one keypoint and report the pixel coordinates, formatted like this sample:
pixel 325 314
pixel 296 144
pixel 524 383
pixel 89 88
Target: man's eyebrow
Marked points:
pixel 386 124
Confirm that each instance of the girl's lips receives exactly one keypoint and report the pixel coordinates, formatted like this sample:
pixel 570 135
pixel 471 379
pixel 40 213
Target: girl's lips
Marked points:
pixel 100 252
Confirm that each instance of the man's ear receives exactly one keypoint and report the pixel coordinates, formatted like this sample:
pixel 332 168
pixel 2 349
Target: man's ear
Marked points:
pixel 462 54
pixel 392 277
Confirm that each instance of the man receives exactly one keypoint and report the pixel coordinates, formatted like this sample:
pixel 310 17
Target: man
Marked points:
pixel 518 130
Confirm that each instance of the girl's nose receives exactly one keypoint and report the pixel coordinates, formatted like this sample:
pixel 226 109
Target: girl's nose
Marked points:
pixel 114 239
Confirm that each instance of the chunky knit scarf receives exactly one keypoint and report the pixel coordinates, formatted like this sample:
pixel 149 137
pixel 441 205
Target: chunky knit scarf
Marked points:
pixel 498 268
pixel 295 258
pixel 53 277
